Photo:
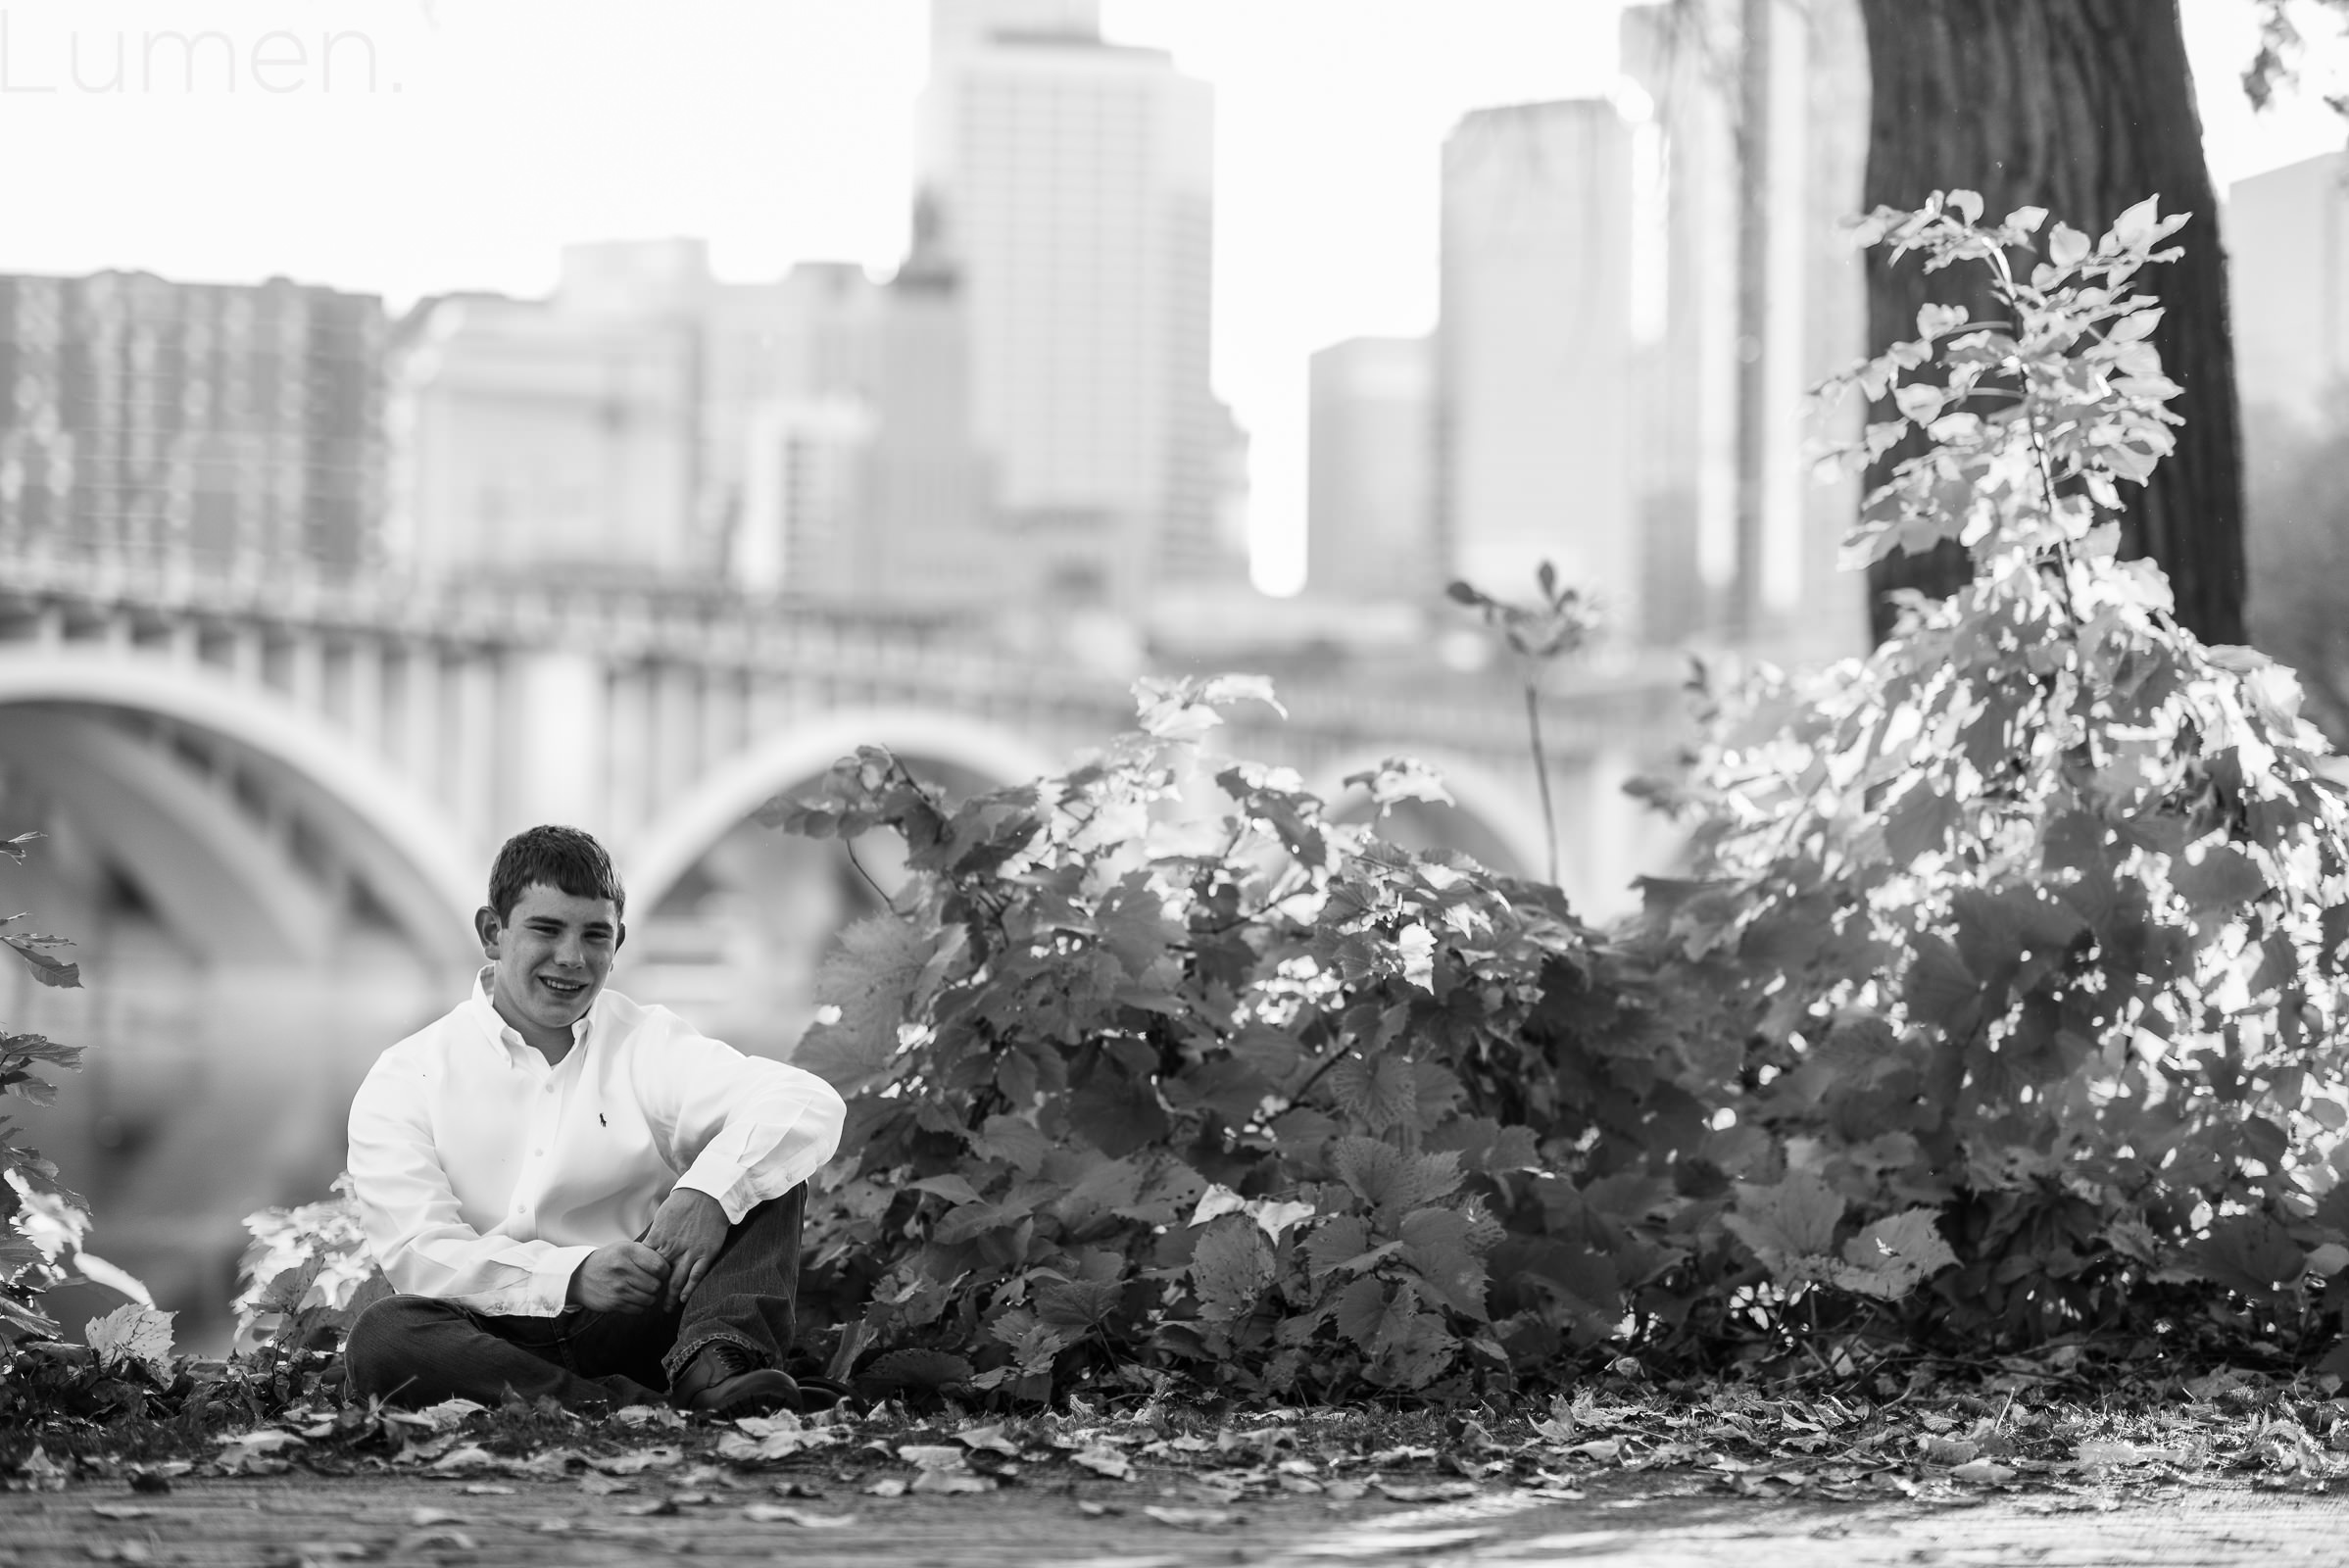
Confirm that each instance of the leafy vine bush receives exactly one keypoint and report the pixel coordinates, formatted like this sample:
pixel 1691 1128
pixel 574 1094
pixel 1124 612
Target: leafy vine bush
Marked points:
pixel 40 1243
pixel 2036 915
pixel 1245 1097
pixel 2001 1004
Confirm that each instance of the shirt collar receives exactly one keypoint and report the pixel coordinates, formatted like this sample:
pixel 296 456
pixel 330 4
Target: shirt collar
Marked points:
pixel 485 1012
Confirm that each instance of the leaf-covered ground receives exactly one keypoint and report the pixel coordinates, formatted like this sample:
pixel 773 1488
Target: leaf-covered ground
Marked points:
pixel 2023 1428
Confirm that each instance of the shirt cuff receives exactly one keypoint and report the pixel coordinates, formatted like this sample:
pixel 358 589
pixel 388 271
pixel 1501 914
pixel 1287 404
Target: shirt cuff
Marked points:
pixel 549 1286
pixel 734 1189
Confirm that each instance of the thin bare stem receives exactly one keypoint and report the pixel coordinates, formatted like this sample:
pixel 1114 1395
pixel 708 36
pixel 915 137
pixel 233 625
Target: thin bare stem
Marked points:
pixel 1549 819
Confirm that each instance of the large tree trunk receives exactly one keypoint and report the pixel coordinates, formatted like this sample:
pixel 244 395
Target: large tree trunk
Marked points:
pixel 2082 107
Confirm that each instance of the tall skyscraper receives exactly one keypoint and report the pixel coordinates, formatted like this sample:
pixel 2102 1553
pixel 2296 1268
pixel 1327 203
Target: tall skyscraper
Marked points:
pixel 1748 130
pixel 1071 181
pixel 789 369
pixel 1533 352
pixel 807 436
pixel 927 490
pixel 1370 499
pixel 534 437
pixel 224 427
pixel 2287 259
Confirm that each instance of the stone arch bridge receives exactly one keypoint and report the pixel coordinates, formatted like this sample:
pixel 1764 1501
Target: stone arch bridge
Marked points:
pixel 273 803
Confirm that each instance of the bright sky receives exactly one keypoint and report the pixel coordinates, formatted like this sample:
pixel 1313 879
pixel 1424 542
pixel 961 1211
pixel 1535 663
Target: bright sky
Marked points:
pixel 782 130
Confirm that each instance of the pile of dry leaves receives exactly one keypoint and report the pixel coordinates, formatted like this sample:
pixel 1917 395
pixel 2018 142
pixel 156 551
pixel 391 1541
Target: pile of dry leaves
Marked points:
pixel 2022 1427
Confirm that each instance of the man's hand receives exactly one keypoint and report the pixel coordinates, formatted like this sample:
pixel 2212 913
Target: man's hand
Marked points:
pixel 624 1277
pixel 687 1233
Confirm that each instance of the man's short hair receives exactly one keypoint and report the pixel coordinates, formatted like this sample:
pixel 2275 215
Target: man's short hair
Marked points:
pixel 565 858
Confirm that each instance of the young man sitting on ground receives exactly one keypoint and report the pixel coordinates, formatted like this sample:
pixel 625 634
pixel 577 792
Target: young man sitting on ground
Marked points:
pixel 575 1196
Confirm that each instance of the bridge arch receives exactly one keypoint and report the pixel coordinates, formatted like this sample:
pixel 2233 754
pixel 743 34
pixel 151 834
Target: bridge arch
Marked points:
pixel 1503 826
pixel 688 830
pixel 399 845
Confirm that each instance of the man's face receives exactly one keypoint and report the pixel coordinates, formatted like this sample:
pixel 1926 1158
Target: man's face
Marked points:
pixel 553 955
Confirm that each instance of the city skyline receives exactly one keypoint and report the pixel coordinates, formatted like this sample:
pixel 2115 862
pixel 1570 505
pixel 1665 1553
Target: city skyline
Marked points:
pixel 1330 121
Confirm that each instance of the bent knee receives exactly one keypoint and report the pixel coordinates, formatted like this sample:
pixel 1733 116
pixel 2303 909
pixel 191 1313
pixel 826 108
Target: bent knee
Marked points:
pixel 385 1341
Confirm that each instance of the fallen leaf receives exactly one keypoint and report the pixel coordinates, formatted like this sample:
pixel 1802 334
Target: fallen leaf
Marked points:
pixel 768 1513
pixel 657 1507
pixel 743 1448
pixel 120 1510
pixel 473 1457
pixel 1105 1461
pixel 636 1416
pixel 1190 1518
pixel 1096 1510
pixel 636 1462
pixel 1400 1455
pixel 132 1333
pixel 452 1540
pixel 949 1483
pixel 991 1438
pixel 1949 1451
pixel 931 1456
pixel 485 1489
pixel 449 1414
pixel 888 1486
pixel 596 1485
pixel 2118 1454
pixel 421 1518
pixel 766 1426
pixel 1983 1472
pixel 1433 1491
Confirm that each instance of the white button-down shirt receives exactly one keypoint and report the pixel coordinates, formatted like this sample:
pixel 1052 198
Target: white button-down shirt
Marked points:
pixel 485 1177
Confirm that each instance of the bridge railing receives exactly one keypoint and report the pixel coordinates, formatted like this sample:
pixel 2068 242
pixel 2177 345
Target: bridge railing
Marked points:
pixel 1634 703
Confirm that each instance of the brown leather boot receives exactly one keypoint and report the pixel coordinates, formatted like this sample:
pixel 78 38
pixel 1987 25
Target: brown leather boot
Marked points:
pixel 724 1380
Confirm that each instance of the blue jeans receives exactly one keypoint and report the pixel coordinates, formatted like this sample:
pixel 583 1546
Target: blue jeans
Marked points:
pixel 418 1349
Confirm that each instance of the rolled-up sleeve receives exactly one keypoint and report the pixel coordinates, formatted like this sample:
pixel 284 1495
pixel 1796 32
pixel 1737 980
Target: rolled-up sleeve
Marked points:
pixel 741 1129
pixel 412 1216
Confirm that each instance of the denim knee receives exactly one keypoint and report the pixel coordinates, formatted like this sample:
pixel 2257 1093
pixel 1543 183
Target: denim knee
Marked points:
pixel 379 1352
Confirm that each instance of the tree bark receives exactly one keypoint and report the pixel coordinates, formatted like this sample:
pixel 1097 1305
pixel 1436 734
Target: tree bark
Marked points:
pixel 2082 107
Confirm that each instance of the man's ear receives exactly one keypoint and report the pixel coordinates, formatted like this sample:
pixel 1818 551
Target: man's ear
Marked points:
pixel 619 935
pixel 486 926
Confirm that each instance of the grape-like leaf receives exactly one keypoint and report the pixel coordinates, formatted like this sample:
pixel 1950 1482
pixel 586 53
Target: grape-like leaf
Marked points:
pixel 1895 1255
pixel 870 978
pixel 2224 878
pixel 1402 778
pixel 1441 1244
pixel 2250 1253
pixel 132 1333
pixel 1789 1226
pixel 46 966
pixel 1230 1268
pixel 1389 1180
pixel 1379 1091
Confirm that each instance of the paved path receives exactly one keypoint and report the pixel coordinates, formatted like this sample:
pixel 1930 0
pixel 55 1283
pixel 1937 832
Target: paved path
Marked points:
pixel 288 1521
